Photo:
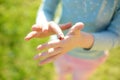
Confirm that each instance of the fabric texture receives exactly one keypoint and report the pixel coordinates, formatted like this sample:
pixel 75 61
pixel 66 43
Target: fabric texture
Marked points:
pixel 81 69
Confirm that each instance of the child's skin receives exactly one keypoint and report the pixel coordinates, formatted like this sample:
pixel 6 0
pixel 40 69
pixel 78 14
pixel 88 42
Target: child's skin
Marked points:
pixel 38 31
pixel 60 47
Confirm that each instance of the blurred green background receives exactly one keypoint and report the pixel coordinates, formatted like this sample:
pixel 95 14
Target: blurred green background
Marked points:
pixel 16 55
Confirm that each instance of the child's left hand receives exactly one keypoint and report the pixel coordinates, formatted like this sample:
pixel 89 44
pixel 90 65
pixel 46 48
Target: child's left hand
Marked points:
pixel 74 38
pixel 38 31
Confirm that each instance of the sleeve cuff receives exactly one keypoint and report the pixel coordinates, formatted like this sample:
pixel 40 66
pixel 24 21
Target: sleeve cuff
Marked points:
pixel 101 42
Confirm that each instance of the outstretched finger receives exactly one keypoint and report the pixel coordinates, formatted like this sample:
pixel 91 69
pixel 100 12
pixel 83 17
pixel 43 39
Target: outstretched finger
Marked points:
pixel 56 29
pixel 31 35
pixel 36 27
pixel 75 29
pixel 50 52
pixel 51 44
pixel 50 59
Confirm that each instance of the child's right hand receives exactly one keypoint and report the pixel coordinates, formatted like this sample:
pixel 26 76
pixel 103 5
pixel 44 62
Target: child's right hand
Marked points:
pixel 51 28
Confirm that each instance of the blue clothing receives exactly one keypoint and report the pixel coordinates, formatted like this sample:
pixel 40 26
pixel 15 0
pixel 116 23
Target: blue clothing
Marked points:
pixel 101 18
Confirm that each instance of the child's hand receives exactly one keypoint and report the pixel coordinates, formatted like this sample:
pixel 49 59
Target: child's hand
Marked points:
pixel 42 31
pixel 74 38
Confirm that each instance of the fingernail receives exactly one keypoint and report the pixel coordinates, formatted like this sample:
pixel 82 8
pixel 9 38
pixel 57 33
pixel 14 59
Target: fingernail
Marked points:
pixel 39 47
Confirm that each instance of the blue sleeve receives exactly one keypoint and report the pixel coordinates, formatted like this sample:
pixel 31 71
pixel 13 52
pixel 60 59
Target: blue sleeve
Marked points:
pixel 47 10
pixel 109 38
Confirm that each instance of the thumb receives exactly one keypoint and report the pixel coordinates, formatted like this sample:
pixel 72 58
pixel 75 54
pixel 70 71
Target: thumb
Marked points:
pixel 76 28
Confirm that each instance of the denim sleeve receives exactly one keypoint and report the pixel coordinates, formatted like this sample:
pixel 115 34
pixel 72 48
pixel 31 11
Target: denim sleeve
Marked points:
pixel 109 38
pixel 47 10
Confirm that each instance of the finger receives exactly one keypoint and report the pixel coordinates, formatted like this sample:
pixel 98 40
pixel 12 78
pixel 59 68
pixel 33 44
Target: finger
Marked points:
pixel 36 27
pixel 45 27
pixel 31 35
pixel 49 53
pixel 65 26
pixel 56 29
pixel 77 27
pixel 50 59
pixel 51 44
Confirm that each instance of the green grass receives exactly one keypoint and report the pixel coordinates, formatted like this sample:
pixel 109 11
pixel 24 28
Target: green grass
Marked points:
pixel 16 55
pixel 110 70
